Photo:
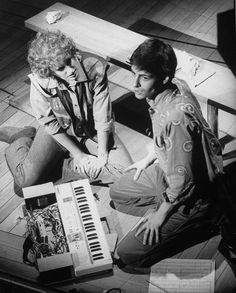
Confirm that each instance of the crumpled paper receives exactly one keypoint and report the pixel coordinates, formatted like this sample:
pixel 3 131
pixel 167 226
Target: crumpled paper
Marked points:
pixel 188 63
pixel 53 16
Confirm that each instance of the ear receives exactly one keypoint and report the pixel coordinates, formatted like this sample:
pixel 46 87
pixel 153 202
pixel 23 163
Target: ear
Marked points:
pixel 166 80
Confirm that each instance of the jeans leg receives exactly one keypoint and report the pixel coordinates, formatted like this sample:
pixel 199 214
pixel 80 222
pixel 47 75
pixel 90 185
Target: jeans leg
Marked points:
pixel 32 161
pixel 132 251
pixel 118 159
pixel 136 197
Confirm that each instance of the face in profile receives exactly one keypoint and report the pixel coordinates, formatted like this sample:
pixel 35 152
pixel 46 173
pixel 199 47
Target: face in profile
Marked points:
pixel 67 70
pixel 144 84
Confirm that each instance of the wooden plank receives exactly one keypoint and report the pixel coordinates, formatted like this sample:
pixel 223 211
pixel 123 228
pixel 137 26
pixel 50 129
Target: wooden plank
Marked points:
pixel 6 195
pixel 213 9
pixel 21 226
pixel 17 88
pixel 3 165
pixel 117 93
pixel 212 115
pixel 11 23
pixel 134 141
pixel 160 12
pixel 2 157
pixel 9 201
pixel 9 111
pixel 12 46
pixel 193 28
pixel 18 9
pixel 111 11
pixel 11 246
pixel 171 16
pixel 215 56
pixel 21 51
pixel 114 12
pixel 42 4
pixel 180 18
pixel 14 116
pixel 88 7
pixel 12 220
pixel 117 14
pixel 119 42
pixel 5 180
pixel 204 6
pixel 3 106
pixel 13 67
pixel 128 17
pixel 189 18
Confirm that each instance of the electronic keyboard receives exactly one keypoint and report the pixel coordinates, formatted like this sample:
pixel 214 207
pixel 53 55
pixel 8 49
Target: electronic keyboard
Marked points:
pixel 84 232
pixel 84 241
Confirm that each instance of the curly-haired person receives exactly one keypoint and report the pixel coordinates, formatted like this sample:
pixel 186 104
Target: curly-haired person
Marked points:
pixel 70 98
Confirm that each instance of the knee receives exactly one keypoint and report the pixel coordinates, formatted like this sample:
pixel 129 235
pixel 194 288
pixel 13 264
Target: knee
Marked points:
pixel 126 255
pixel 131 250
pixel 123 255
pixel 26 175
pixel 21 181
pixel 117 194
pixel 114 191
pixel 122 188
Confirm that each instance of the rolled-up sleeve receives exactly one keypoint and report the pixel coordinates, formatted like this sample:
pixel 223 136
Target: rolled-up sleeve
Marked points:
pixel 178 146
pixel 102 109
pixel 42 110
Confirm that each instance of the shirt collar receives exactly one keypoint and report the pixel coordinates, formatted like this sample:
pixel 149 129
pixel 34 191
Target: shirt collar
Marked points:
pixel 154 102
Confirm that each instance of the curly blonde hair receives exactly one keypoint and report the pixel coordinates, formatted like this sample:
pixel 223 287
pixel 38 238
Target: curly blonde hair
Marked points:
pixel 49 51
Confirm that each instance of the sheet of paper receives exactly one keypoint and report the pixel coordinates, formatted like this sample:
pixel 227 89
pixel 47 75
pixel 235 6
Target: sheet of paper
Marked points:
pixel 182 275
pixel 194 70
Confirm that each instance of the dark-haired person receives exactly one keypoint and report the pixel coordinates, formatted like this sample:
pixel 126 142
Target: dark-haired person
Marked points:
pixel 70 98
pixel 175 179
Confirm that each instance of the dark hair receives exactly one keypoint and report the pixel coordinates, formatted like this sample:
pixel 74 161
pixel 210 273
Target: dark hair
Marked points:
pixel 155 57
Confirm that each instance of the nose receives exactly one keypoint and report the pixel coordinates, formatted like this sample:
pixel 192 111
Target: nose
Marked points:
pixel 69 70
pixel 136 81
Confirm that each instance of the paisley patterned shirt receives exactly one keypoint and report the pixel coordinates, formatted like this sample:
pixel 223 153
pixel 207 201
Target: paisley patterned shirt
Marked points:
pixel 187 150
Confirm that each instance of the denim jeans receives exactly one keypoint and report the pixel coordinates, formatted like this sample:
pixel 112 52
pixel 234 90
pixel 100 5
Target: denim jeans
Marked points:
pixel 42 159
pixel 136 198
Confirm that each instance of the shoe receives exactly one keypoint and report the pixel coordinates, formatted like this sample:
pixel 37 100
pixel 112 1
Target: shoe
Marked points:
pixel 18 190
pixel 9 134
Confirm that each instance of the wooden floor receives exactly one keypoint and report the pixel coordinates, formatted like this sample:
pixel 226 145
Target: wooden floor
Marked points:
pixel 187 25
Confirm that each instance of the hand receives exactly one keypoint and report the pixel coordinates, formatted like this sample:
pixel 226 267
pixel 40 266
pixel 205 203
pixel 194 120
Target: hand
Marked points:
pixel 140 166
pixel 151 225
pixel 81 164
pixel 88 166
pixel 95 166
pixel 103 157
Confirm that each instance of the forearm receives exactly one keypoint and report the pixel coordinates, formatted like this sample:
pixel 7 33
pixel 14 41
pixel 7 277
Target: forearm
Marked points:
pixel 103 137
pixel 151 156
pixel 163 211
pixel 69 144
